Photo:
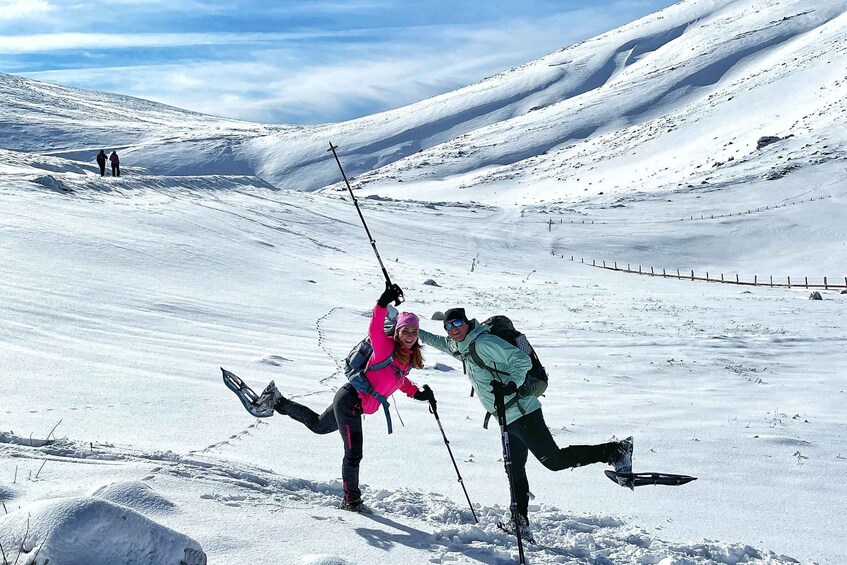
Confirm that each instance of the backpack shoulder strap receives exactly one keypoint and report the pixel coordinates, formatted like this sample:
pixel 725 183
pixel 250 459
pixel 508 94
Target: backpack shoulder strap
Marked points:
pixel 480 363
pixel 381 365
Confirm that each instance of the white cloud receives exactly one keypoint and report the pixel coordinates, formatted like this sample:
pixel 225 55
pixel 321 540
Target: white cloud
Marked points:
pixel 276 80
pixel 54 42
pixel 20 9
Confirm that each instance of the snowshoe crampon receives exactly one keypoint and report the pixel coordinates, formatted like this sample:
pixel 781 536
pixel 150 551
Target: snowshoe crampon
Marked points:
pixel 632 480
pixel 245 394
pixel 525 532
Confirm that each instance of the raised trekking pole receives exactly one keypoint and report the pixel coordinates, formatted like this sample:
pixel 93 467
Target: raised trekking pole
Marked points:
pixel 500 407
pixel 434 412
pixel 332 148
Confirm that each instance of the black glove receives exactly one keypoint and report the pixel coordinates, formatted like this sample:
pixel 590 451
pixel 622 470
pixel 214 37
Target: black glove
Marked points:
pixel 392 293
pixel 504 389
pixel 426 395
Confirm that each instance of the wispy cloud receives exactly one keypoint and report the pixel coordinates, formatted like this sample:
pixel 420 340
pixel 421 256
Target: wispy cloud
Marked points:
pixel 55 42
pixel 311 62
pixel 11 10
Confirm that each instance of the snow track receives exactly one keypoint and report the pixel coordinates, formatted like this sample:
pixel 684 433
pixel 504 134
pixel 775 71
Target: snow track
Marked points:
pixel 420 520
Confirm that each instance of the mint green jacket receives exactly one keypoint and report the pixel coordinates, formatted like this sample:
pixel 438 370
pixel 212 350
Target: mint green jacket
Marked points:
pixel 494 352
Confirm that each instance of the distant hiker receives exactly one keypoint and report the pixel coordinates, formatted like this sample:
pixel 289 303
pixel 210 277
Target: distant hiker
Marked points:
pixel 101 160
pixel 116 164
pixel 345 413
pixel 524 419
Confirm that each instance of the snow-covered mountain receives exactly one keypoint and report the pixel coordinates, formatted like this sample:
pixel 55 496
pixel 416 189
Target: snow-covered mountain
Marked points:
pixel 121 297
pixel 665 99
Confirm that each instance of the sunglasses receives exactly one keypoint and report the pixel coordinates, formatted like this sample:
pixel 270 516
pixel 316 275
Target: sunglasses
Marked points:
pixel 452 324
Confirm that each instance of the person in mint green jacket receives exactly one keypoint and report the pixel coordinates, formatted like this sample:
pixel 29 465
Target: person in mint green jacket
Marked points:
pixel 524 418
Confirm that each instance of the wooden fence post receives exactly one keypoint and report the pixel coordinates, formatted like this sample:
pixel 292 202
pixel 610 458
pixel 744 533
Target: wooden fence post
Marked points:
pixel 665 274
pixel 692 275
pixel 771 280
pixel 789 282
pixel 721 277
pixel 677 273
pixel 616 265
pixel 639 269
pixel 736 278
pixel 755 279
pixel 593 262
pixel 807 283
pixel 604 264
pixel 651 271
pixel 707 276
pixel 825 284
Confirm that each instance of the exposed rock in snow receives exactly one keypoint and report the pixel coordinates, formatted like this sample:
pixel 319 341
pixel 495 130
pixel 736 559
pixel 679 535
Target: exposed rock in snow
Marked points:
pixel 766 140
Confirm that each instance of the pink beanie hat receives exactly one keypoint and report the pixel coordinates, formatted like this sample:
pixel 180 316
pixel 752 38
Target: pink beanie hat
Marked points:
pixel 407 319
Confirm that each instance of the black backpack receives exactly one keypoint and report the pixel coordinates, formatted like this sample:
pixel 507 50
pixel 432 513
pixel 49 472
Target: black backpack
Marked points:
pixel 536 379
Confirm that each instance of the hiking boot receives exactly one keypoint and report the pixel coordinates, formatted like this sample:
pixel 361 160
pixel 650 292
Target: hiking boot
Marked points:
pixel 523 528
pixel 621 456
pixel 354 506
pixel 267 400
pixel 523 524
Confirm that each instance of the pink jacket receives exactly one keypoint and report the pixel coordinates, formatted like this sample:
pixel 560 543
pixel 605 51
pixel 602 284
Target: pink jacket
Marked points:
pixel 386 380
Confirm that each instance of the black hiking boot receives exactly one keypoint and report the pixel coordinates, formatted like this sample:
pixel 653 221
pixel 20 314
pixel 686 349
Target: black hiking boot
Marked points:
pixel 354 506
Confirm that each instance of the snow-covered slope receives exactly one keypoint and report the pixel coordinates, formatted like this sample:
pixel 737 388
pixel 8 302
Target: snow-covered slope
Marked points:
pixel 712 76
pixel 121 297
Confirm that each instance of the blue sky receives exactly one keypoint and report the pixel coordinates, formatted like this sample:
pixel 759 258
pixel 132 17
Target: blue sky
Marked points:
pixel 291 61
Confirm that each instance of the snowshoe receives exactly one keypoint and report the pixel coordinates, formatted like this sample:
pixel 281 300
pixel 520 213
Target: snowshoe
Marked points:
pixel 632 480
pixel 523 526
pixel 259 406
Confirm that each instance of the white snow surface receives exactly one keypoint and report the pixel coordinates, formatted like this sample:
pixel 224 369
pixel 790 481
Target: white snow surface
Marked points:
pixel 121 298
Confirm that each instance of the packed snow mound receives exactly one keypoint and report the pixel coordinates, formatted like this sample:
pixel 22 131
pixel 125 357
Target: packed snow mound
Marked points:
pixel 136 495
pixel 18 162
pixel 92 531
pixel 7 493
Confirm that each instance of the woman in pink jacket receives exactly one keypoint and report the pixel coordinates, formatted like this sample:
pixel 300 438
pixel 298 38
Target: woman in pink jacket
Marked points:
pixel 345 412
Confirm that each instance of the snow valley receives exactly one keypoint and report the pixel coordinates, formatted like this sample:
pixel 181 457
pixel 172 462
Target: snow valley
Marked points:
pixel 706 138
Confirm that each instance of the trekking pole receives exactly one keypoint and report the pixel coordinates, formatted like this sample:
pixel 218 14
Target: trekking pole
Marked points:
pixel 434 412
pixel 332 148
pixel 500 407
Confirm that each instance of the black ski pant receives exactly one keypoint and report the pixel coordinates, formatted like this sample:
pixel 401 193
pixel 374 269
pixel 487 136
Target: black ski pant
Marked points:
pixel 530 433
pixel 102 168
pixel 116 170
pixel 343 415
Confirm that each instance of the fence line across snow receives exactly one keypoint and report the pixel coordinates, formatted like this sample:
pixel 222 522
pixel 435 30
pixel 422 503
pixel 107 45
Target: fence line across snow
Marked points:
pixel 692 276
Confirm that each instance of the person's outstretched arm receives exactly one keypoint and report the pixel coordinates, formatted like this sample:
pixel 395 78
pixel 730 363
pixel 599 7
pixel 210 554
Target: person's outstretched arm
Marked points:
pixel 439 342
